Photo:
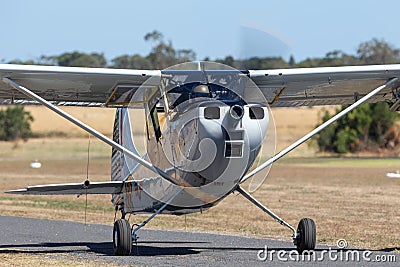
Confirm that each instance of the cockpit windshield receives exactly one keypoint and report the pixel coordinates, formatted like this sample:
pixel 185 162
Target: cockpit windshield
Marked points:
pixel 192 91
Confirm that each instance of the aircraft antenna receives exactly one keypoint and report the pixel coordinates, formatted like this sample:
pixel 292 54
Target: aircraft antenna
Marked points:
pixel 85 225
pixel 88 158
pixel 87 182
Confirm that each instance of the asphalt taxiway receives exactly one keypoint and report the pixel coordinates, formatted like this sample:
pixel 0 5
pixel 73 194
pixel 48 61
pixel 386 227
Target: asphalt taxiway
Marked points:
pixel 167 248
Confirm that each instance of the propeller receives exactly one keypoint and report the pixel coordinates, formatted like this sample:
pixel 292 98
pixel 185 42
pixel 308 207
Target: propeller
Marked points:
pixel 257 40
pixel 170 145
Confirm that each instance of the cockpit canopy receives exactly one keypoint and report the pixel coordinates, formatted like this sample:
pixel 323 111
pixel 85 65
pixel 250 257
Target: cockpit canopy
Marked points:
pixel 196 91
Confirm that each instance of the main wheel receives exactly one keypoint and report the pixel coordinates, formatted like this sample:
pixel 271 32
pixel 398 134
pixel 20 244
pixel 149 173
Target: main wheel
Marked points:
pixel 306 235
pixel 122 238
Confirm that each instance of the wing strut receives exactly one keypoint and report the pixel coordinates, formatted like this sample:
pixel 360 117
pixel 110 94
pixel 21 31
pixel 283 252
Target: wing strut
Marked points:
pixel 88 129
pixel 318 129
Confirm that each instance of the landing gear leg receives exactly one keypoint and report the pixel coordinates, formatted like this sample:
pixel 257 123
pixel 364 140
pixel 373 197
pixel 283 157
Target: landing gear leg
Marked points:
pixel 134 230
pixel 305 236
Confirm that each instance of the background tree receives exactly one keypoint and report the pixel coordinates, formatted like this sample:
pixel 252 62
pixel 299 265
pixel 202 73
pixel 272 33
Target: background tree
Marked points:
pixel 15 123
pixel 378 52
pixel 367 126
pixel 27 62
pixel 364 128
pixel 334 58
pixel 131 62
pixel 163 54
pixel 77 59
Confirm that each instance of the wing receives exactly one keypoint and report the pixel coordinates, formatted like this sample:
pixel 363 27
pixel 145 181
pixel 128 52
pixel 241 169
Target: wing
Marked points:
pixel 112 187
pixel 281 87
pixel 324 86
pixel 77 86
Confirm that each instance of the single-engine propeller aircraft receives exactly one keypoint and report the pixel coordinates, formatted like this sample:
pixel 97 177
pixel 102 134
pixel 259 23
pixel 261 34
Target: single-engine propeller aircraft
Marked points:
pixel 205 126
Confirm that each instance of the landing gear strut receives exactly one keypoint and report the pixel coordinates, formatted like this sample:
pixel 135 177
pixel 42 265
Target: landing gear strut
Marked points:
pixel 305 236
pixel 124 235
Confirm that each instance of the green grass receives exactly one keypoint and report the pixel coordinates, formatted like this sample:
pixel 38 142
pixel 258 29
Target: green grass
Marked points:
pixel 40 202
pixel 343 162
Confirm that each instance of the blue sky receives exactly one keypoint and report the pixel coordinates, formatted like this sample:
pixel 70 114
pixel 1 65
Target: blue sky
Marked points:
pixel 211 28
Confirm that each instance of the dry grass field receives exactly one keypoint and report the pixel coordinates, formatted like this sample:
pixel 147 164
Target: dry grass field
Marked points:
pixel 348 198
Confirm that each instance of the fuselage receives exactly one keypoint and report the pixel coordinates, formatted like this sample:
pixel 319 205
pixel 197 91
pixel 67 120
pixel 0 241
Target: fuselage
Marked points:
pixel 205 143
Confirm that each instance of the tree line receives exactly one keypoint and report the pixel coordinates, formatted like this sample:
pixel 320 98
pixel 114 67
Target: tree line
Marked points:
pixel 163 55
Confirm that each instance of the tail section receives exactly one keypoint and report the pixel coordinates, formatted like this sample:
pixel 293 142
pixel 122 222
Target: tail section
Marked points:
pixel 122 166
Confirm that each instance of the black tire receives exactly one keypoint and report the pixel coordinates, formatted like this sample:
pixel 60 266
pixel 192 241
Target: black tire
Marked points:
pixel 307 235
pixel 122 238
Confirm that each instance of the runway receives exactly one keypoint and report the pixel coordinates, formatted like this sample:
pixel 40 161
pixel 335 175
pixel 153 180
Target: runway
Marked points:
pixel 161 248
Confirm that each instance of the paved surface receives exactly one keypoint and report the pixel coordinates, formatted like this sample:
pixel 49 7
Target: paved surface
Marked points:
pixel 163 248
